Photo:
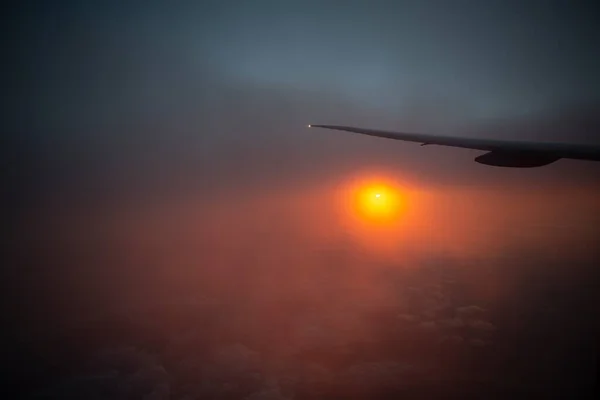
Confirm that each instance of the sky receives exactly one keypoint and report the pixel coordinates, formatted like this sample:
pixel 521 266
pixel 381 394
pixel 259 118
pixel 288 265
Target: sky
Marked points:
pixel 220 91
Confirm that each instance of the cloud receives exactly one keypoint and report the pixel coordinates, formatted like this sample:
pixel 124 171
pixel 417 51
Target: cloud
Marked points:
pixel 377 375
pixel 479 343
pixel 428 327
pixel 117 372
pixel 237 358
pixel 470 312
pixel 483 326
pixel 267 394
pixel 451 324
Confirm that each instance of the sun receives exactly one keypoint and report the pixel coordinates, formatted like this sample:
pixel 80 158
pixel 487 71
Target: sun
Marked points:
pixel 375 199
pixel 378 202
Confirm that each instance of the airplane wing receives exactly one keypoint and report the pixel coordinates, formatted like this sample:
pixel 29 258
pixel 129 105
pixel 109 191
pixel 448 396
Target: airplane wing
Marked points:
pixel 500 153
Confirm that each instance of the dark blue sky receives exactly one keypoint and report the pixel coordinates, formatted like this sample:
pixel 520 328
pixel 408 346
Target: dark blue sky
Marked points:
pixel 228 86
pixel 493 58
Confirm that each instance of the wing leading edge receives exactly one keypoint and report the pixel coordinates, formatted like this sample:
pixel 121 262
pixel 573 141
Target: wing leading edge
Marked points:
pixel 501 153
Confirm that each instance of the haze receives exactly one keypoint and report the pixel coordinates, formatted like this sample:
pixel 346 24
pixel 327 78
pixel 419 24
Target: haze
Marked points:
pixel 179 233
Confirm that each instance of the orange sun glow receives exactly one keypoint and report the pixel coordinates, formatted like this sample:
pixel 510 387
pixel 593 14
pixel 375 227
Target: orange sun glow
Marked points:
pixel 376 211
pixel 375 200
pixel 378 202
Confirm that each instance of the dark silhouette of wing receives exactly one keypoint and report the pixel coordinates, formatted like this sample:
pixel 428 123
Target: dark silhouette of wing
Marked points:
pixel 501 153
